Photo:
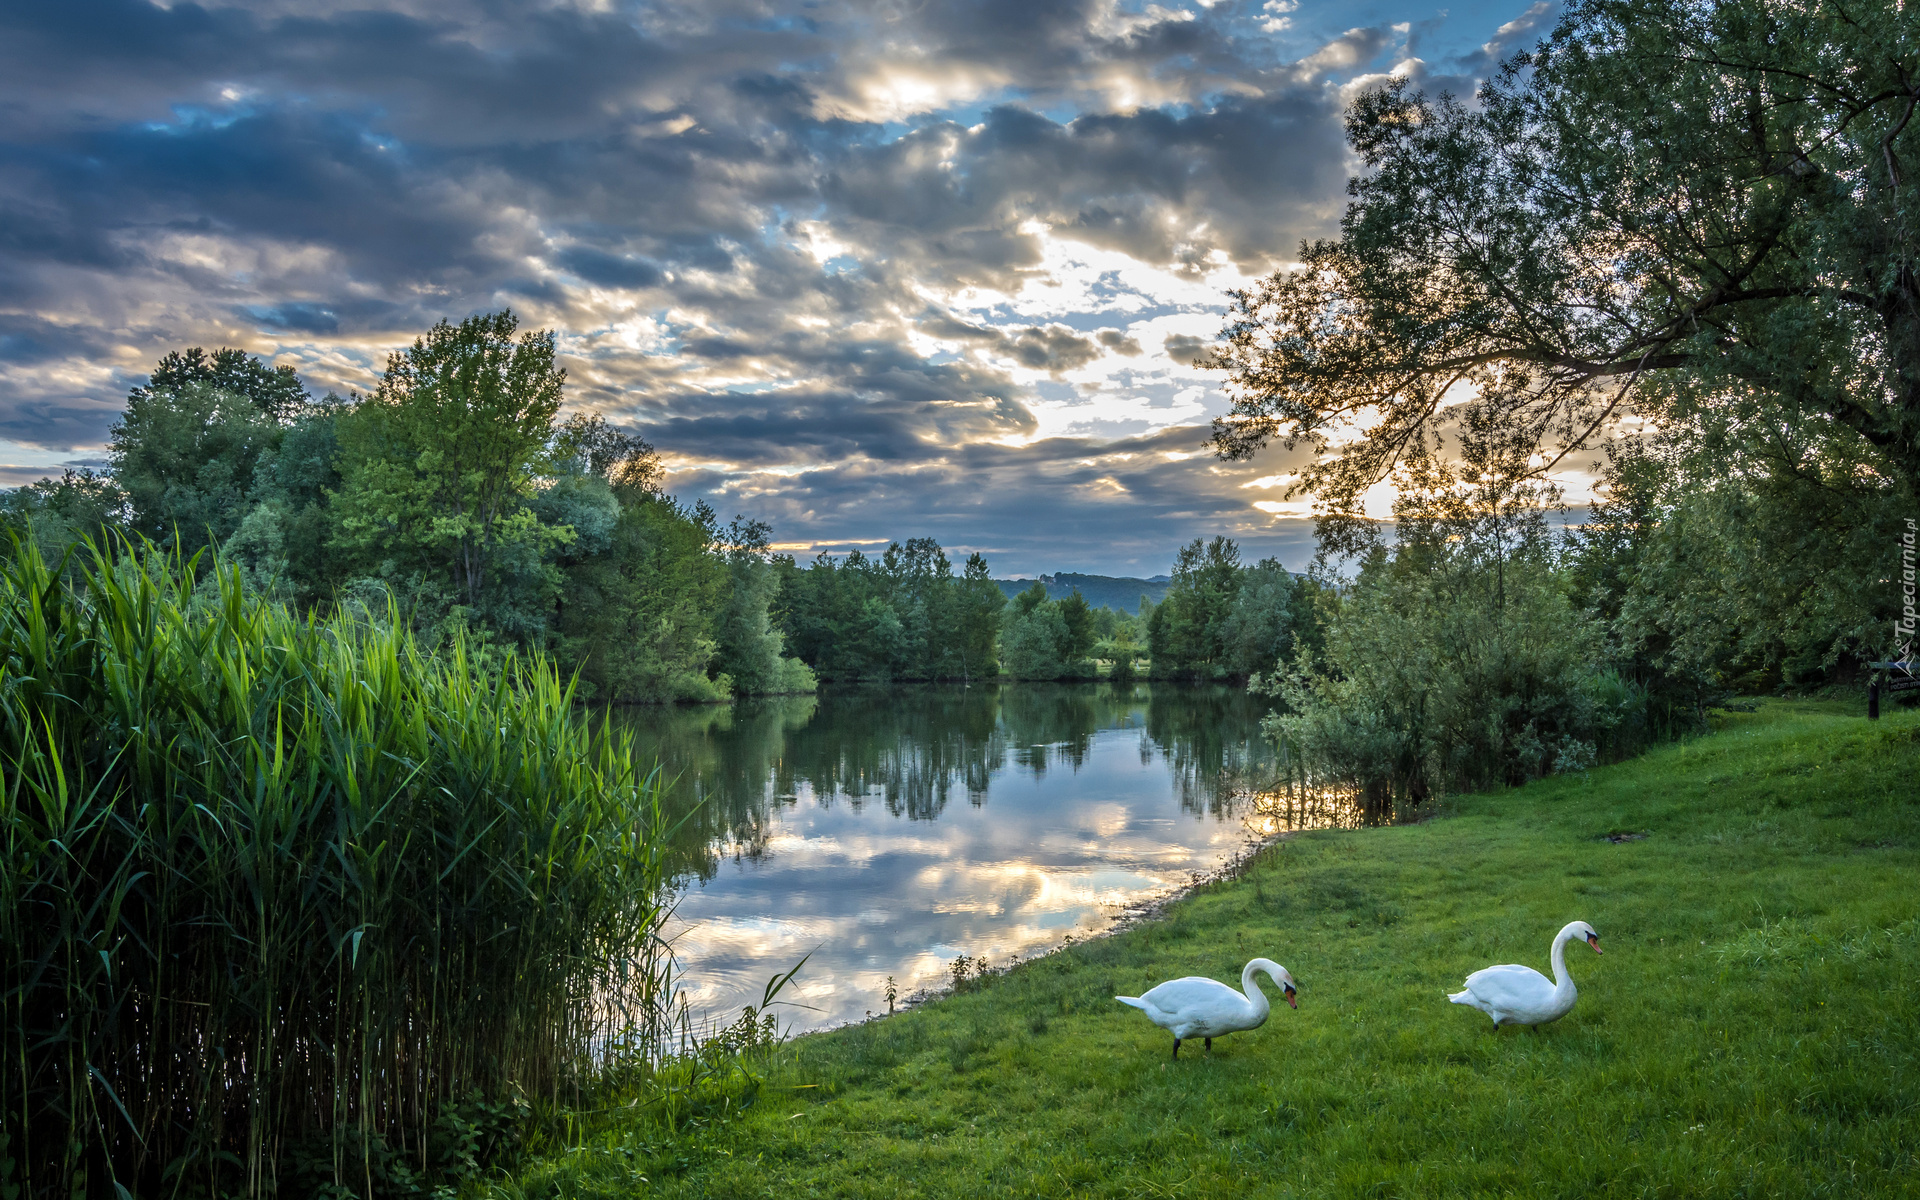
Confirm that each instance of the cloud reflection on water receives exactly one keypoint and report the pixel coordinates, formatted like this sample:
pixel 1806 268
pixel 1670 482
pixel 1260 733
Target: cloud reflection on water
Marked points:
pixel 831 827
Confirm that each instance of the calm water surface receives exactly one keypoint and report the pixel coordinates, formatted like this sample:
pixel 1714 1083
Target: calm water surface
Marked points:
pixel 886 831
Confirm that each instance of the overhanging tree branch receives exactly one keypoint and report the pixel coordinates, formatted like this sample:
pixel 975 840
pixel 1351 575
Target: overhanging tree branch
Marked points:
pixel 1659 191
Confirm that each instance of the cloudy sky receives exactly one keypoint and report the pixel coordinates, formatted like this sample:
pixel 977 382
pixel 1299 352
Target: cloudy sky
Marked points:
pixel 861 270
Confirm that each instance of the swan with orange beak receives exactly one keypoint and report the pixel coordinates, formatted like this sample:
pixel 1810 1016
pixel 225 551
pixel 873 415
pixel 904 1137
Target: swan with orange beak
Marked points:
pixel 1198 1007
pixel 1517 995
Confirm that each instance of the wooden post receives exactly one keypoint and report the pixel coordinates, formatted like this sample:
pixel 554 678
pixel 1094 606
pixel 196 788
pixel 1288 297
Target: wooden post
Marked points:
pixel 1908 680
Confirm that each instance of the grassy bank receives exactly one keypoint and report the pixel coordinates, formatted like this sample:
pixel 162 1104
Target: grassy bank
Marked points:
pixel 1751 1031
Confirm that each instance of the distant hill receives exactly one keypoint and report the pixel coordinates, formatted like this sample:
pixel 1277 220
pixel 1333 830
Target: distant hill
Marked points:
pixel 1121 594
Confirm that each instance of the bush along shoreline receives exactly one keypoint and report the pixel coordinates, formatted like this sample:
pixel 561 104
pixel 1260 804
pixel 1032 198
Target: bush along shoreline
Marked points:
pixel 292 907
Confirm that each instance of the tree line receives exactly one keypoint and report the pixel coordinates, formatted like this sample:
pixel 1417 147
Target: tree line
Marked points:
pixel 457 497
pixel 905 615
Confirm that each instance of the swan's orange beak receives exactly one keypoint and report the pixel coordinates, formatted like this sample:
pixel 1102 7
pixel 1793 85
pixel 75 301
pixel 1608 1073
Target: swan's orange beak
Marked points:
pixel 1593 939
pixel 1291 1002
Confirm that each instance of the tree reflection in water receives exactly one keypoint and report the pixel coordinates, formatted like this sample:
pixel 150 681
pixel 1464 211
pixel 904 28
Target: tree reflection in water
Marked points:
pixel 914 748
pixel 831 829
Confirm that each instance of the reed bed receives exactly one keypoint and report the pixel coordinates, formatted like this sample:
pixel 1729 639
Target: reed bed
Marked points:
pixel 277 891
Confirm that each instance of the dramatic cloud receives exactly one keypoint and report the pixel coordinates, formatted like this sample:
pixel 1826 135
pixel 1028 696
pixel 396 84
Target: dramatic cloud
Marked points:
pixel 864 270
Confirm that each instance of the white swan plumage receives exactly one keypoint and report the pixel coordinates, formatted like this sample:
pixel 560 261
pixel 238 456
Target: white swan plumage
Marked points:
pixel 1198 1007
pixel 1517 995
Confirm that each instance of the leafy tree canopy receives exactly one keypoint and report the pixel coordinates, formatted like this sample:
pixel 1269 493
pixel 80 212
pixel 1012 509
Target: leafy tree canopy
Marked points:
pixel 584 443
pixel 186 457
pixel 1186 633
pixel 903 615
pixel 1671 206
pixel 58 512
pixel 438 465
pixel 275 391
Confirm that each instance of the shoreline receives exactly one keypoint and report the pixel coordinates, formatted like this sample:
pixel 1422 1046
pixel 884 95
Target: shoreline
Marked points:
pixel 1150 908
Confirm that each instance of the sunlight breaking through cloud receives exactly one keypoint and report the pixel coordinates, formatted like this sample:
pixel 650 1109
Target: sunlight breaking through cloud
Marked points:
pixel 820 257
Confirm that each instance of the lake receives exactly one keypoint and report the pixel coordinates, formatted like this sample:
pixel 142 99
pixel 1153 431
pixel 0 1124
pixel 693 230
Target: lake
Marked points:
pixel 885 831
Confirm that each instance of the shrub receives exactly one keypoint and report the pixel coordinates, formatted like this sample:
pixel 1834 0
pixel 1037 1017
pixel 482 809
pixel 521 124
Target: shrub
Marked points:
pixel 1424 687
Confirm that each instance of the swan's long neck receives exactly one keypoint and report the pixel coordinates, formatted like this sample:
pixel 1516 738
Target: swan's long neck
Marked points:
pixel 1255 997
pixel 1562 982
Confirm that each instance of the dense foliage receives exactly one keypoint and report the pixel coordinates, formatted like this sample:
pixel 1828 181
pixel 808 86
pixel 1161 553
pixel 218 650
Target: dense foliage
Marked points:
pixel 291 903
pixel 1221 620
pixel 1457 659
pixel 1749 558
pixel 903 615
pixel 456 493
pixel 1680 231
pixel 1048 639
pixel 906 615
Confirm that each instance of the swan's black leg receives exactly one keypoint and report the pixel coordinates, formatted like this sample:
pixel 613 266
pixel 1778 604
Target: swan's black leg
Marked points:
pixel 1209 1045
pixel 1176 1047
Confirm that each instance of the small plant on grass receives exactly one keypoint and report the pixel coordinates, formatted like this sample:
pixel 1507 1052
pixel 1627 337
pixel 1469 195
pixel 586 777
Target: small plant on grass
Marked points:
pixel 642 1098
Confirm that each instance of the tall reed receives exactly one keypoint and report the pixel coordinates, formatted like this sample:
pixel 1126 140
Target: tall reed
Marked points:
pixel 275 884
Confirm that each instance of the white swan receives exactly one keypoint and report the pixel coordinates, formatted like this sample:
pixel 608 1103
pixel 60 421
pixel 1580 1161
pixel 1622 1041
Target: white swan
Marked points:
pixel 1206 1008
pixel 1515 995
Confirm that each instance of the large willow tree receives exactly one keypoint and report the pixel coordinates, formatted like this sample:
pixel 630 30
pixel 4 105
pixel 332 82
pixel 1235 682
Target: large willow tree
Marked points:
pixel 1681 209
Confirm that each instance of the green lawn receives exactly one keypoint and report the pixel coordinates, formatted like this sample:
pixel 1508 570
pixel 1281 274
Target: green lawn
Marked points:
pixel 1751 1030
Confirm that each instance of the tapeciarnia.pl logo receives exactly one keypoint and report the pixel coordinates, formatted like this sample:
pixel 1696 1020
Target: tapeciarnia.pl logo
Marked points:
pixel 1903 629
